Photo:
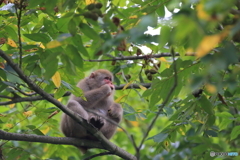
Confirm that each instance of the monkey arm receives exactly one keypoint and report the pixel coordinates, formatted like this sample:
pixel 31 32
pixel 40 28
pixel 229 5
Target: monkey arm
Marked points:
pixel 99 93
pixel 115 112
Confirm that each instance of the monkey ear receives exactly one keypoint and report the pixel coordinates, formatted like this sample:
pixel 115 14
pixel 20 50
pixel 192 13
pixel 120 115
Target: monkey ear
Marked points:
pixel 92 75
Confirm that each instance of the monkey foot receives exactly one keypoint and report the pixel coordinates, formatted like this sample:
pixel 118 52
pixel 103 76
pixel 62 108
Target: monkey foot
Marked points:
pixel 97 122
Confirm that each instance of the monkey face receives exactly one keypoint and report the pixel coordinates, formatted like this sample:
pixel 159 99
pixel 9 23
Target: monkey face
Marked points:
pixel 101 77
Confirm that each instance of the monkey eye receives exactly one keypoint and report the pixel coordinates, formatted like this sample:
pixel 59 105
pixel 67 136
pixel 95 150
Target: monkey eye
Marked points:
pixel 108 78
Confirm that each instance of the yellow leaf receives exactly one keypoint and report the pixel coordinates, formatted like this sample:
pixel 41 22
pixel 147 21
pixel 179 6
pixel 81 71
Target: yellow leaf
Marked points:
pixel 56 78
pixel 133 17
pixel 120 98
pixel 128 84
pixel 211 88
pixel 45 131
pixel 27 114
pixel 119 130
pixel 207 44
pixel 53 44
pixel 201 13
pixel 142 87
pixel 42 46
pixel 11 105
pixel 11 43
pixel 181 131
pixel 162 59
pixel 89 1
pixel 9 125
pixel 134 123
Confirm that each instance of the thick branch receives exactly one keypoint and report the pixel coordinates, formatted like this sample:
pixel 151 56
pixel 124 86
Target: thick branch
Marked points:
pixel 38 98
pixel 46 139
pixel 137 57
pixel 106 143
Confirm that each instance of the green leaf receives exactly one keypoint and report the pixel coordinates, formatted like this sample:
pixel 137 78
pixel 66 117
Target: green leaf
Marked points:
pixel 205 104
pixel 129 112
pixel 38 132
pixel 74 55
pixel 72 27
pixel 159 137
pixel 77 40
pixel 88 31
pixel 24 156
pixel 49 62
pixel 11 32
pixel 14 153
pixel 38 37
pixel 235 132
pixel 3 74
pixel 161 10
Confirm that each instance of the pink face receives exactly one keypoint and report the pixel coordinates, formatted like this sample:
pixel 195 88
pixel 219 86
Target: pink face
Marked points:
pixel 108 80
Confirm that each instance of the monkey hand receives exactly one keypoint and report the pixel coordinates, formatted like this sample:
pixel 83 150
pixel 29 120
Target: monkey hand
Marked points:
pixel 106 89
pixel 115 112
pixel 96 121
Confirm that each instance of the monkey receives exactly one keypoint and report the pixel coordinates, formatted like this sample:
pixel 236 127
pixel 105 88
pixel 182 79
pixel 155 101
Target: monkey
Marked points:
pixel 98 90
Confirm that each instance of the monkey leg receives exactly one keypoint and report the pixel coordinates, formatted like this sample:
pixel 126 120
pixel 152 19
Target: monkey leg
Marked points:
pixel 71 128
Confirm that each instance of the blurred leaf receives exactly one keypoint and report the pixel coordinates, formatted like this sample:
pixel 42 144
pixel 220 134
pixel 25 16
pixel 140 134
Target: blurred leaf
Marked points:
pixel 11 43
pixel 79 44
pixel 56 78
pixel 74 55
pixel 160 137
pixel 89 32
pixel 38 37
pixel 53 44
pixel 235 132
pixel 206 105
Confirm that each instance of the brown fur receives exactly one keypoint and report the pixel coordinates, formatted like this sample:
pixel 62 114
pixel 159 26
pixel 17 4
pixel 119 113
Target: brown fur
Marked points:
pixel 99 104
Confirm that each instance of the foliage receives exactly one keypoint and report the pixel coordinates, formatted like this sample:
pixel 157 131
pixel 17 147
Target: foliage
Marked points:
pixel 56 42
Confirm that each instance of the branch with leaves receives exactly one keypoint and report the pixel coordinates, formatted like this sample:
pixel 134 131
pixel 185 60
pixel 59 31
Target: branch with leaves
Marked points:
pixel 161 107
pixel 137 57
pixel 106 143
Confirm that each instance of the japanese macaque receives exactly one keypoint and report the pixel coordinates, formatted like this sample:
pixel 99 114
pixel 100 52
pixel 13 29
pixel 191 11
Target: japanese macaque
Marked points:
pixel 99 108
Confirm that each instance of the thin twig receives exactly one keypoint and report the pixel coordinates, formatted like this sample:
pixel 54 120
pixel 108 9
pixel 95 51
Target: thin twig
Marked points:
pixel 19 18
pixel 97 155
pixel 137 57
pixel 163 104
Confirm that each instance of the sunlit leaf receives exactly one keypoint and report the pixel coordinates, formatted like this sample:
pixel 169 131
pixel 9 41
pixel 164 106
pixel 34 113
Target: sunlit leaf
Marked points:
pixel 56 78
pixel 143 88
pixel 128 84
pixel 120 98
pixel 53 44
pixel 209 42
pixel 27 113
pixel 211 88
pixel 90 1
pixel 11 43
pixel 202 14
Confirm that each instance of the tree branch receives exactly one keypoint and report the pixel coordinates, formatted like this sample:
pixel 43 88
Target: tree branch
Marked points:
pixel 19 18
pixel 46 139
pixel 97 155
pixel 161 107
pixel 38 98
pixel 138 57
pixel 105 142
